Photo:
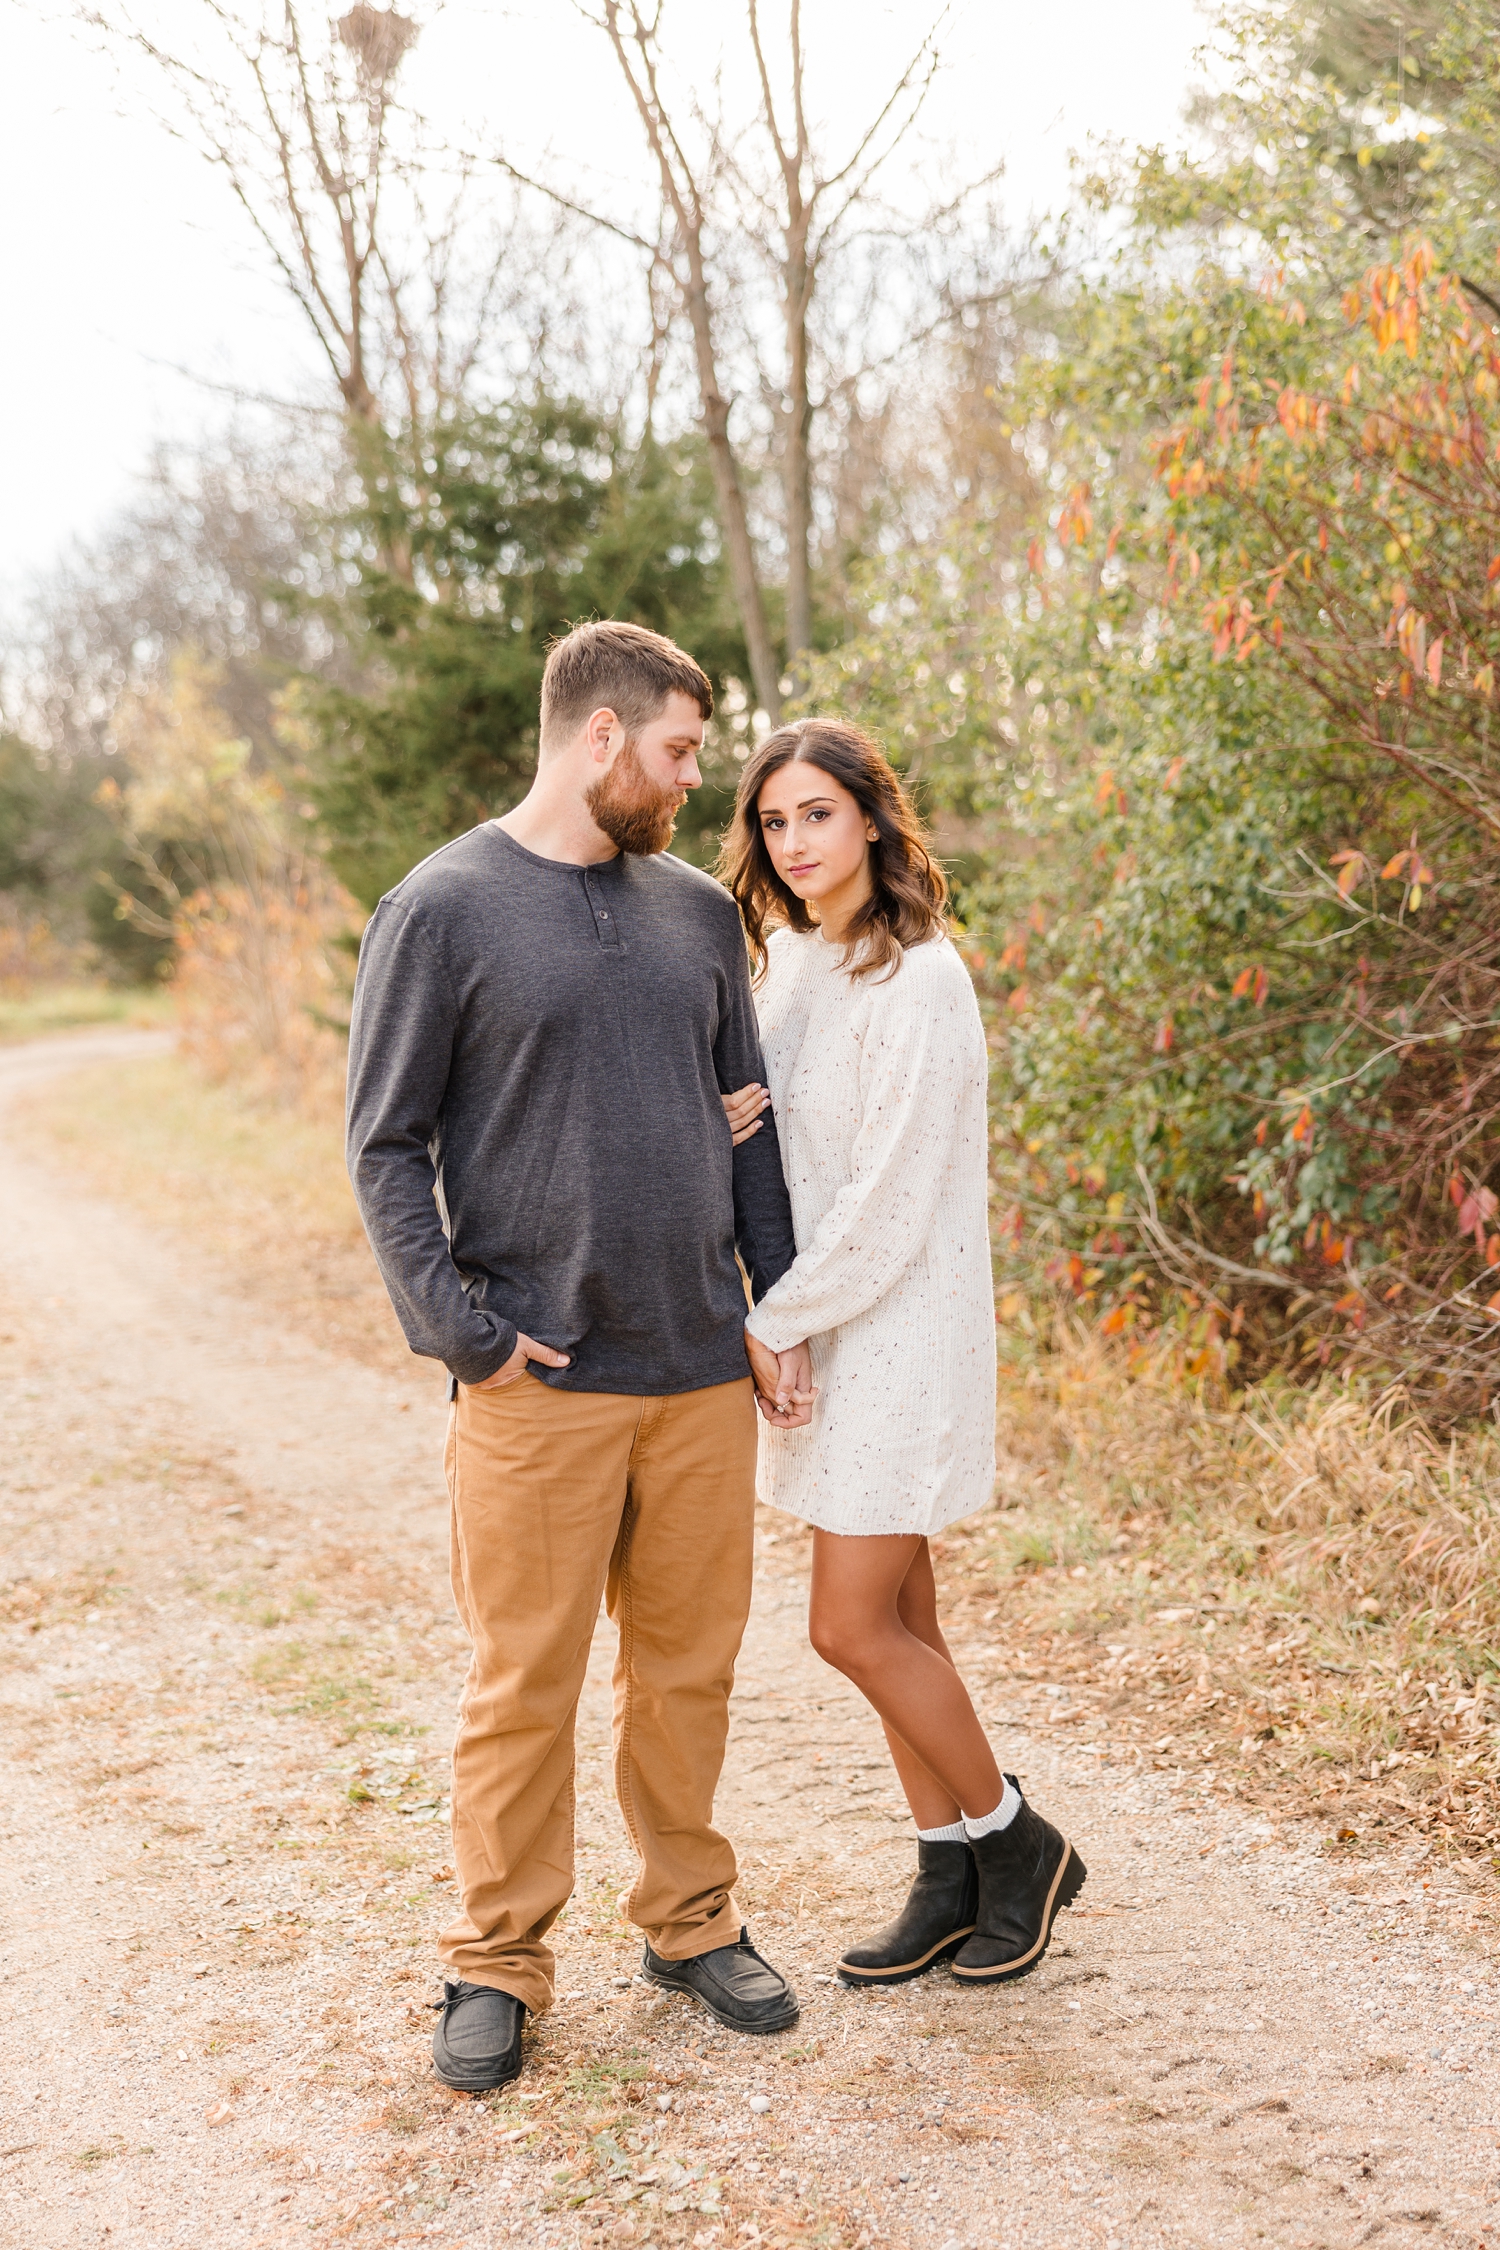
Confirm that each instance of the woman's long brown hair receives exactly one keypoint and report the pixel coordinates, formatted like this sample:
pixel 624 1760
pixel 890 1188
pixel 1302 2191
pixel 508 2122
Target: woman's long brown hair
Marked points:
pixel 907 905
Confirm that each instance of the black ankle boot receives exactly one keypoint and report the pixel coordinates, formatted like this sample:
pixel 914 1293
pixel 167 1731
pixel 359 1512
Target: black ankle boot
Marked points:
pixel 938 1915
pixel 1026 1872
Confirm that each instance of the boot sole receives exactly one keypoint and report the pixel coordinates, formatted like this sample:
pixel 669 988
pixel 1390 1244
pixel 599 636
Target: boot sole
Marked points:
pixel 477 2085
pixel 731 2023
pixel 902 1972
pixel 1066 1884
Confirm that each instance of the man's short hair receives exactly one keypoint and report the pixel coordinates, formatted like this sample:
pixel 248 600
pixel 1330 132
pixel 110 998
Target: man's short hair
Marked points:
pixel 621 668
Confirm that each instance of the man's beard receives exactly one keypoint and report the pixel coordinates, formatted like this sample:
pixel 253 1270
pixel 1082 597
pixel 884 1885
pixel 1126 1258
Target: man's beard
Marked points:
pixel 635 812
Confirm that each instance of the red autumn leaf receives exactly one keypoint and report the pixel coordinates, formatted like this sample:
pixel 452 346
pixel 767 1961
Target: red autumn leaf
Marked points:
pixel 1165 1033
pixel 1121 1317
pixel 1477 1207
pixel 1260 1133
pixel 1262 988
pixel 1333 1250
pixel 1242 984
pixel 1393 867
pixel 1303 1129
pixel 1173 773
pixel 1456 1189
pixel 1435 662
pixel 1351 866
pixel 1492 1251
pixel 1349 1302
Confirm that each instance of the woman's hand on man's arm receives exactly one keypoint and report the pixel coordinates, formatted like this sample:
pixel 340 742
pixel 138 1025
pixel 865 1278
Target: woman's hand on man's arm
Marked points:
pixel 743 1111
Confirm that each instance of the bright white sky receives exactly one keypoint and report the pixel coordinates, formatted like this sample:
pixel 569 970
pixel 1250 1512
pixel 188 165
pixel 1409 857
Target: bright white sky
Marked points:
pixel 131 283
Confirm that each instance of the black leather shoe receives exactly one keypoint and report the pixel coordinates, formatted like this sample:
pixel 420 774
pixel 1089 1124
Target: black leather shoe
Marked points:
pixel 477 2044
pixel 734 1984
pixel 939 1914
pixel 1026 1873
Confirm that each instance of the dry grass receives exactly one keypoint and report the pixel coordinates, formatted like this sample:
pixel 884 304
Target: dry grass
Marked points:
pixel 33 1010
pixel 1294 1590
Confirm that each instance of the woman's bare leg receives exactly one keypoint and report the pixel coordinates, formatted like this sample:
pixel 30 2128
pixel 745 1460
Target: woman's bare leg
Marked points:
pixel 874 1618
pixel 916 1605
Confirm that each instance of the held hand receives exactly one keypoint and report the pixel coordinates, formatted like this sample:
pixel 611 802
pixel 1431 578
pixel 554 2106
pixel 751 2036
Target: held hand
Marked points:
pixel 743 1111
pixel 515 1366
pixel 783 1383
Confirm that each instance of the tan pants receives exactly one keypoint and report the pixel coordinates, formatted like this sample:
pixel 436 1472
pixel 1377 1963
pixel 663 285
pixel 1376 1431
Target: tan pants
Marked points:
pixel 559 1497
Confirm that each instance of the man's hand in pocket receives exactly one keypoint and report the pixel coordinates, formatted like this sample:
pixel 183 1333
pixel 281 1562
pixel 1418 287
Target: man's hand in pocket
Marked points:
pixel 515 1366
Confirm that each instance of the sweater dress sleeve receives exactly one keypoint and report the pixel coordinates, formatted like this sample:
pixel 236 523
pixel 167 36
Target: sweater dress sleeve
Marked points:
pixel 923 1042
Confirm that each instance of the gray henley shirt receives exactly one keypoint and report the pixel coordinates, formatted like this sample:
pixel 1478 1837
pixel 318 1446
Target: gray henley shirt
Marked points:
pixel 535 1135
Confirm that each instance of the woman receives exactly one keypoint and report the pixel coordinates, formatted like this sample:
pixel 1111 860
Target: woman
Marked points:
pixel 878 1075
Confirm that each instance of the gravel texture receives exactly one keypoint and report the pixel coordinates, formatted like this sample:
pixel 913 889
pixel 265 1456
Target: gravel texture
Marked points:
pixel 230 1672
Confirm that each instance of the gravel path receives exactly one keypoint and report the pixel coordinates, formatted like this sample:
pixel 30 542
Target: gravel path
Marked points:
pixel 230 1671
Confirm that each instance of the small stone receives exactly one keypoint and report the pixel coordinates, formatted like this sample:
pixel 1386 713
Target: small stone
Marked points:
pixel 760 2103
pixel 663 2101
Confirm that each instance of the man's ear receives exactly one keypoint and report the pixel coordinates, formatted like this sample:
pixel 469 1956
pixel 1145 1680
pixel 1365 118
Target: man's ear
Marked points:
pixel 599 734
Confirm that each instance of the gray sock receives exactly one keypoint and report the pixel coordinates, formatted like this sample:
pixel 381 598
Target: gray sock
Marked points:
pixel 956 1834
pixel 1002 1816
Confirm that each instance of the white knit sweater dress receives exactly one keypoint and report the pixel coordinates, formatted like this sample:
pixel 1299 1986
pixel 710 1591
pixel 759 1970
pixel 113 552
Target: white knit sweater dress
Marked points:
pixel 879 1087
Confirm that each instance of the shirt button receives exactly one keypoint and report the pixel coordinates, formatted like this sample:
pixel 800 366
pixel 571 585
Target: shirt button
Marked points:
pixel 602 915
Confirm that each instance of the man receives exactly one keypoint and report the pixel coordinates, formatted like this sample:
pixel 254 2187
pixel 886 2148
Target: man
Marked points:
pixel 546 1015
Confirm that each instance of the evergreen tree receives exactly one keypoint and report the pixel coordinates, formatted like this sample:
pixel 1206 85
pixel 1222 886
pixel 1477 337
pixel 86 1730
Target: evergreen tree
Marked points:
pixel 517 523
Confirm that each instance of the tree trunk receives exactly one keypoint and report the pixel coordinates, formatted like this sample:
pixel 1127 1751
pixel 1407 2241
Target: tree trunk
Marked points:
pixel 796 467
pixel 744 572
pixel 681 196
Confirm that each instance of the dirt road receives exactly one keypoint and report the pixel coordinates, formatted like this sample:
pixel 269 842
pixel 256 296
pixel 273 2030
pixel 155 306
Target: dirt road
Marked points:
pixel 230 1672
